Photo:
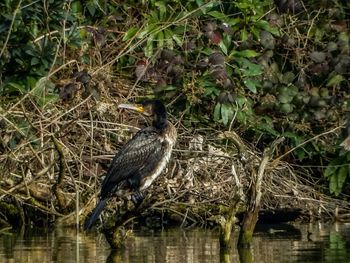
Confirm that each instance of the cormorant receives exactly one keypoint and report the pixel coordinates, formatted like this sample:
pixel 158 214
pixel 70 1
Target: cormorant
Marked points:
pixel 140 161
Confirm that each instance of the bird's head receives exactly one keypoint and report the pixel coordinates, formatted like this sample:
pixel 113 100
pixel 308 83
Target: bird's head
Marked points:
pixel 153 108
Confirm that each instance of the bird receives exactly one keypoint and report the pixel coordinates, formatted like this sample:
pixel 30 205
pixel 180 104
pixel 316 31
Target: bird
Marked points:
pixel 140 161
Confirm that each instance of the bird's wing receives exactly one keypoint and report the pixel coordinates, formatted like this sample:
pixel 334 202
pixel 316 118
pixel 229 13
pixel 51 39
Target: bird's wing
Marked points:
pixel 136 158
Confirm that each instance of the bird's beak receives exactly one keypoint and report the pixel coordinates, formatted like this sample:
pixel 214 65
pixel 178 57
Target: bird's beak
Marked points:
pixel 135 107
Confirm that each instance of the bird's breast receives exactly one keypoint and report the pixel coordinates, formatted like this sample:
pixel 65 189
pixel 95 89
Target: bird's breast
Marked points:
pixel 147 181
pixel 169 139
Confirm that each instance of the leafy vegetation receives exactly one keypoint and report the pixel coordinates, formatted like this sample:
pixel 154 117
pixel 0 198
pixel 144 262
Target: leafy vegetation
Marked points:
pixel 264 68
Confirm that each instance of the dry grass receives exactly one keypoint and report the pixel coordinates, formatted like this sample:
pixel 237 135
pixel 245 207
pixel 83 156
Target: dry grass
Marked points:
pixel 68 145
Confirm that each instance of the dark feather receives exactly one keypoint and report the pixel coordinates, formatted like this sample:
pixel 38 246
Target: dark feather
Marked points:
pixel 134 161
pixel 95 214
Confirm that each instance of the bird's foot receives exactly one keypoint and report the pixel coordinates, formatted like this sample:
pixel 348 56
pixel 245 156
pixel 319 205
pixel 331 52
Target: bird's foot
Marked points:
pixel 137 198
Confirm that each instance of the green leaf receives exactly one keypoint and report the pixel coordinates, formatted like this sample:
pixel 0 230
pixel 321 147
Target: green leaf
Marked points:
pixel 178 40
pixel 39 87
pixel 234 21
pixel 76 7
pixel 341 178
pixel 34 61
pixel 330 170
pixel 168 37
pixel 300 153
pixel 217 15
pixel 147 30
pixel 250 84
pixel 160 39
pixel 17 87
pixel 265 25
pixel 226 113
pixel 211 90
pixel 335 80
pixel 333 184
pixel 244 35
pixel 217 111
pixel 223 47
pixel 248 53
pixel 170 88
pixel 250 69
pixel 130 33
pixel 337 180
pixel 149 47
pixel 162 9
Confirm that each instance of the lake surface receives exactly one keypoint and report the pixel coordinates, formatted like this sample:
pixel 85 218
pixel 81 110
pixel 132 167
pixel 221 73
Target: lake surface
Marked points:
pixel 315 242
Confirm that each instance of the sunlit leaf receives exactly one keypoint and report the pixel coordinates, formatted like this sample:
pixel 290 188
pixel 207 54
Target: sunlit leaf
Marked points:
pixel 168 37
pixel 247 53
pixel 223 47
pixel 250 84
pixel 244 35
pixel 335 80
pixel 251 69
pixel 217 15
pixel 160 39
pixel 178 40
pixel 162 9
pixel 39 87
pixel 149 47
pixel 130 33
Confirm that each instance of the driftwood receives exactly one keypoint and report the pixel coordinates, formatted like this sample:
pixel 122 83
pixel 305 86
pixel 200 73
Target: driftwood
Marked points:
pixel 254 197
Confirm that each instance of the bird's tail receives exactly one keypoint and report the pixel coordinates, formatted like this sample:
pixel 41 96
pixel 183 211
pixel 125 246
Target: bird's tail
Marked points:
pixel 95 214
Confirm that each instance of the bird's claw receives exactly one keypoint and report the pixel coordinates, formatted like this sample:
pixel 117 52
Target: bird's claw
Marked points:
pixel 137 198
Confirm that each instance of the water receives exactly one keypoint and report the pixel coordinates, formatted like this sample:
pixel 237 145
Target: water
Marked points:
pixel 278 243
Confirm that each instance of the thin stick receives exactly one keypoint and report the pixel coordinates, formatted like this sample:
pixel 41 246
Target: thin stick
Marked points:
pixel 11 27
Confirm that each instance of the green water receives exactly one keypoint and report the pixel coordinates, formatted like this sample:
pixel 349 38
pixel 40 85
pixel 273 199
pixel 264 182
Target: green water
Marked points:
pixel 279 243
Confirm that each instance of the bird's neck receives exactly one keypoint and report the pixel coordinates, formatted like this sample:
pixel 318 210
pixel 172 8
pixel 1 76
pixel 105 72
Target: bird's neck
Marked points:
pixel 160 122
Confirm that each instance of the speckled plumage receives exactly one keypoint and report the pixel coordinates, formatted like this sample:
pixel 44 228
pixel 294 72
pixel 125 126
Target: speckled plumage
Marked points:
pixel 139 162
